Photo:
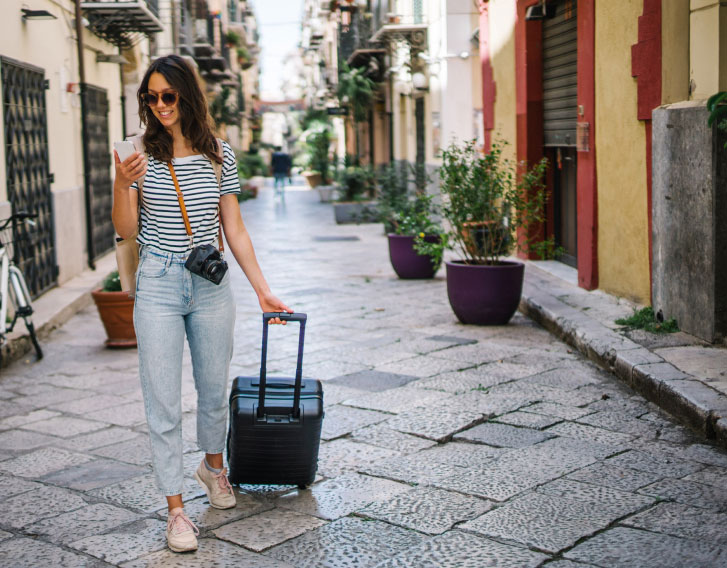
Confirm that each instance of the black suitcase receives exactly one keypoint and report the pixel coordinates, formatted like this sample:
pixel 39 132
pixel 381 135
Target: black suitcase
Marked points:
pixel 275 423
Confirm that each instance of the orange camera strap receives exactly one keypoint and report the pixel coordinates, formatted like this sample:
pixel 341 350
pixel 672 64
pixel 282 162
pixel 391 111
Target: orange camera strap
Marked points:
pixel 187 226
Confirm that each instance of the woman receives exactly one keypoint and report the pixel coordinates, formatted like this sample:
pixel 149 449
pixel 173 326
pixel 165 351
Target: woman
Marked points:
pixel 170 299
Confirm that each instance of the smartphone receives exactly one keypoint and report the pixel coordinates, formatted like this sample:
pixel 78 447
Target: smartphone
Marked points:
pixel 124 149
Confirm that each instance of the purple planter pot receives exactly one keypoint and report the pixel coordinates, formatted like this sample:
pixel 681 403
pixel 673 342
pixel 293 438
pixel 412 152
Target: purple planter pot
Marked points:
pixel 484 295
pixel 405 260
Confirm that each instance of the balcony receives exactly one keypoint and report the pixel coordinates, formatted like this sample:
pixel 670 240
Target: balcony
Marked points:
pixel 409 29
pixel 122 22
pixel 357 46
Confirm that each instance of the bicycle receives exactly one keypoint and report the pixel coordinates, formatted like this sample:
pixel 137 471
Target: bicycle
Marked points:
pixel 13 289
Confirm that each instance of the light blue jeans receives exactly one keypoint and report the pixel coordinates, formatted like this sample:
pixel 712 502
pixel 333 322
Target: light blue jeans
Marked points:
pixel 171 301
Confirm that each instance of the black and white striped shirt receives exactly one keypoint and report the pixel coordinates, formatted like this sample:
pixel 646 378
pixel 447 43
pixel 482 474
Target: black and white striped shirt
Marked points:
pixel 162 224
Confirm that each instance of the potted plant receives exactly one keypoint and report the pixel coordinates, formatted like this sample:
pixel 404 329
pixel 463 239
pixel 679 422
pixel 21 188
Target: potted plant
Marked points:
pixel 232 38
pixel 408 218
pixel 318 143
pixel 354 203
pixel 243 58
pixel 356 90
pixel 116 310
pixel 491 211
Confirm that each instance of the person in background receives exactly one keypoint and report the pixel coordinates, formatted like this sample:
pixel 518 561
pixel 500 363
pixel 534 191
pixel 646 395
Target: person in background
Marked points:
pixel 280 164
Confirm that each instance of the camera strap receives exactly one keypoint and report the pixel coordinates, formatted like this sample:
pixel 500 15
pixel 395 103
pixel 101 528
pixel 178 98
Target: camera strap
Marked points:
pixel 183 208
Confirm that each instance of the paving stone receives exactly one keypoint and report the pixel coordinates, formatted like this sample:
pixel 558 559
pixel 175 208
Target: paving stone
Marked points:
pixel 5 535
pixel 373 381
pixel 334 393
pixel 268 529
pixel 40 395
pixel 86 405
pixel 631 548
pixel 130 414
pixel 423 366
pixel 541 393
pixel 703 453
pixel 142 493
pixel 342 420
pixel 125 543
pixel 27 418
pixel 329 370
pixel 556 520
pixel 425 509
pixel 566 378
pixel 87 521
pixel 558 410
pixel 457 549
pixel 458 382
pixel 710 475
pixel 634 406
pixel 207 517
pixel 565 564
pixel 479 353
pixel 528 420
pixel 27 508
pixel 487 403
pixel 665 466
pixel 65 426
pixel 590 434
pixel 689 493
pixel 502 436
pixel 94 474
pixel 211 553
pixel 384 437
pixel 135 451
pixel 341 496
pixel 682 521
pixel 621 478
pixel 621 423
pixel 438 423
pixel 342 455
pixel 30 553
pixel 10 486
pixel 346 543
pixel 42 462
pixel 98 439
pixel 398 400
pixel 22 440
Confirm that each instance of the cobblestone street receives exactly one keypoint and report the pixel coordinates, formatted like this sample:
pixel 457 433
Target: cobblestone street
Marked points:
pixel 444 445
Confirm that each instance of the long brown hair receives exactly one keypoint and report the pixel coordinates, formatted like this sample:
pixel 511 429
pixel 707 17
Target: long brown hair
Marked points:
pixel 193 111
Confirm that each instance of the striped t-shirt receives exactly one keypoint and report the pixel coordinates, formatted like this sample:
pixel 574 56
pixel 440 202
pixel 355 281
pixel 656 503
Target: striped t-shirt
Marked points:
pixel 162 224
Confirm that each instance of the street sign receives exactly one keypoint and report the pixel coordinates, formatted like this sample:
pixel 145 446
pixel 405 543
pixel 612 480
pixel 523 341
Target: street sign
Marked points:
pixel 337 111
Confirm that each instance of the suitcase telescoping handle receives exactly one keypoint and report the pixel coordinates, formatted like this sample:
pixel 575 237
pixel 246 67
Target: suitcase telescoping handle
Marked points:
pixel 301 318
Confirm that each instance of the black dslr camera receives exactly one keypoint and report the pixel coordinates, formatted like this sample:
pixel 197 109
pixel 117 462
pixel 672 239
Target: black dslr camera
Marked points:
pixel 206 261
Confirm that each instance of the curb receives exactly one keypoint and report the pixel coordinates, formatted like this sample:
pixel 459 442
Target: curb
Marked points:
pixel 685 397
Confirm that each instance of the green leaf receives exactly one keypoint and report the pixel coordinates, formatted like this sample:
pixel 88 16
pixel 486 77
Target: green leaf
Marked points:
pixel 716 99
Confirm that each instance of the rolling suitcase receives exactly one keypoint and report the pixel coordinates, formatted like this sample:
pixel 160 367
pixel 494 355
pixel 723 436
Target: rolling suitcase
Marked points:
pixel 275 423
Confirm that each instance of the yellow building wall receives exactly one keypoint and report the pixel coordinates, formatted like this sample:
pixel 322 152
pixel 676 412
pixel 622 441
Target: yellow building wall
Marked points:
pixel 502 53
pixel 623 231
pixel 675 51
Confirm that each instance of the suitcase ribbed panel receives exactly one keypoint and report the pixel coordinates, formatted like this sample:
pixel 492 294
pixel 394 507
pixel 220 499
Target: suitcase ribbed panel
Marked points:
pixel 275 453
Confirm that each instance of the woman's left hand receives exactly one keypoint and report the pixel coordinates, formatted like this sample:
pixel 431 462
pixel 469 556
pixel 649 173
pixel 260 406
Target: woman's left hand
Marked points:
pixel 271 303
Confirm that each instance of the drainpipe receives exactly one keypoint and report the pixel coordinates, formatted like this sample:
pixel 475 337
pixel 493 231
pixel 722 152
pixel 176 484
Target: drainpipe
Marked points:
pixel 84 137
pixel 123 99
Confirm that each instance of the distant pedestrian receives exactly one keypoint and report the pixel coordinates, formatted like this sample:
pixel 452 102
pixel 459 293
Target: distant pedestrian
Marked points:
pixel 173 300
pixel 280 164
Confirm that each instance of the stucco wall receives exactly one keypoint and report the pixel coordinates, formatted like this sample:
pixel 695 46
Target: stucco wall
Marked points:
pixel 675 51
pixel 708 48
pixel 502 52
pixel 623 246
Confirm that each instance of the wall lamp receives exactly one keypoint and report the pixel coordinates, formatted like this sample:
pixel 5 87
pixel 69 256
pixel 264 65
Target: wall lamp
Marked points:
pixel 28 14
pixel 540 11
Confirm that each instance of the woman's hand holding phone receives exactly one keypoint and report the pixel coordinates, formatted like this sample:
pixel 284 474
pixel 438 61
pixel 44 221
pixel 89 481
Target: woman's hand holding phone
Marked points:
pixel 129 164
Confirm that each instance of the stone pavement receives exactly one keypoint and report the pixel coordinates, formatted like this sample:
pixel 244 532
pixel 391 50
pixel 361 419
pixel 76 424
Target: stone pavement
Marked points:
pixel 443 445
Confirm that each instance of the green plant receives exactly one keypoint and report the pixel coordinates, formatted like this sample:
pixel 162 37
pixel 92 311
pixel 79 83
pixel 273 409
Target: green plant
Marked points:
pixel 490 209
pixel 357 183
pixel 112 283
pixel 646 319
pixel 717 107
pixel 356 90
pixel 222 110
pixel 232 38
pixel 250 164
pixel 318 143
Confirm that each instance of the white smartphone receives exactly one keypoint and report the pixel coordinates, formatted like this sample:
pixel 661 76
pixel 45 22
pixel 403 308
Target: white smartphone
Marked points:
pixel 124 149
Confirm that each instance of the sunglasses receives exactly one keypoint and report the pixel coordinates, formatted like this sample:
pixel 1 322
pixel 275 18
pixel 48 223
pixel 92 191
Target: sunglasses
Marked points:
pixel 169 98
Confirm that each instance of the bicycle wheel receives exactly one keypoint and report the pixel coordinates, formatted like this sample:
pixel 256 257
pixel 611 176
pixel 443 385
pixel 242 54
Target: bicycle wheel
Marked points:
pixel 33 337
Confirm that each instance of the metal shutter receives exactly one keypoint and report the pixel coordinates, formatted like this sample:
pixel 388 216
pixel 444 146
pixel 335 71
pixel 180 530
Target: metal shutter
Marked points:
pixel 560 77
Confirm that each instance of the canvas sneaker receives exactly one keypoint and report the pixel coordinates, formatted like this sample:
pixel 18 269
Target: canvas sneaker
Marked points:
pixel 181 532
pixel 216 485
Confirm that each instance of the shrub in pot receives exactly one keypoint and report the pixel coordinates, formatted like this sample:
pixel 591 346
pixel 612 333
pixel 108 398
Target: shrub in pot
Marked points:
pixel 491 210
pixel 116 310
pixel 354 201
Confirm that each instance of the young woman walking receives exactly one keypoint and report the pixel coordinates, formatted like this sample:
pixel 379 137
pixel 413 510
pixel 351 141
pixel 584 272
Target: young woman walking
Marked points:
pixel 171 300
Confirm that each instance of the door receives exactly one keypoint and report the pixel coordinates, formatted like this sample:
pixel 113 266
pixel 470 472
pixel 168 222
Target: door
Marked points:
pixel 27 168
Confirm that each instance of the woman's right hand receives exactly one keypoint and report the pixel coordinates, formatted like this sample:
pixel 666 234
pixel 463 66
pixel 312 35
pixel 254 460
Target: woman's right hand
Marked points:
pixel 131 169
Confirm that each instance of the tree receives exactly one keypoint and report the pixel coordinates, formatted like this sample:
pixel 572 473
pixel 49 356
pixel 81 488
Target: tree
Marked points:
pixel 357 91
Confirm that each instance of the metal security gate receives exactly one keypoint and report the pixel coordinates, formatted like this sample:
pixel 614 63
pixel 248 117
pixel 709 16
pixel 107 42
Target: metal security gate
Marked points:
pixel 26 166
pixel 560 115
pixel 99 156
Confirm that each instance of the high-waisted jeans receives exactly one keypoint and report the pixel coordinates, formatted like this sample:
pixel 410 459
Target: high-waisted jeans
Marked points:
pixel 171 301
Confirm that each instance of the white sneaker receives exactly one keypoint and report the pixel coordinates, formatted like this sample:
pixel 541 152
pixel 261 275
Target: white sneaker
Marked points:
pixel 181 532
pixel 216 485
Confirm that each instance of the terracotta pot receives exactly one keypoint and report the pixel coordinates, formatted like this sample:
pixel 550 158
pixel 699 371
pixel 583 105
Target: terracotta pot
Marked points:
pixel 314 180
pixel 484 294
pixel 405 260
pixel 116 310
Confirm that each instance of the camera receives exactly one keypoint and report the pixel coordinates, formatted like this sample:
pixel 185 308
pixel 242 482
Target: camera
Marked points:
pixel 206 261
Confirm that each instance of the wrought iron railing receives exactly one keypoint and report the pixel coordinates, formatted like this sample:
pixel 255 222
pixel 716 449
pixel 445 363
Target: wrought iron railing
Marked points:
pixel 357 35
